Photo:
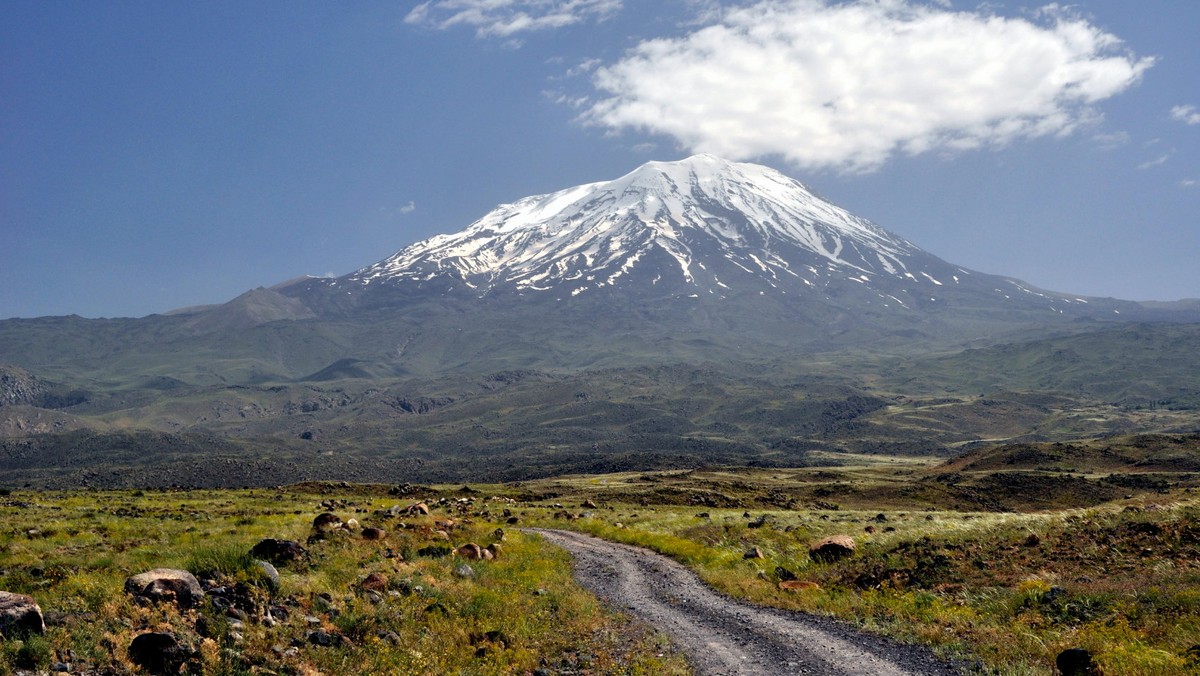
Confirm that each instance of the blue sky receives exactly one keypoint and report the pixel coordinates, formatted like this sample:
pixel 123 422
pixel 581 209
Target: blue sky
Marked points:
pixel 162 155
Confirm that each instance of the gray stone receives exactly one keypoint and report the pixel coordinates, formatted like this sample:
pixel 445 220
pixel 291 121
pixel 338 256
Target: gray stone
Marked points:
pixel 20 615
pixel 270 575
pixel 166 584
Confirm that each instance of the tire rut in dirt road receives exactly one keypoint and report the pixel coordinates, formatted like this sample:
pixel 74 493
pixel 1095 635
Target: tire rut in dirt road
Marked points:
pixel 722 636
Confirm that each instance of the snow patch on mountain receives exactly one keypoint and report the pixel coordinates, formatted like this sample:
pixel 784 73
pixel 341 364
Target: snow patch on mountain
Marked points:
pixel 698 227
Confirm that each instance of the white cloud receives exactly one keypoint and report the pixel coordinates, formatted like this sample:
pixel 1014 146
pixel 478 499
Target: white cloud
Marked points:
pixel 1186 114
pixel 396 212
pixel 849 85
pixel 586 66
pixel 1190 182
pixel 505 18
pixel 1161 159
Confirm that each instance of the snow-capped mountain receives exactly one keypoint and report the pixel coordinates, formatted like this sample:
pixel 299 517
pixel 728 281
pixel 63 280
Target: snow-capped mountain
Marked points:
pixel 702 226
pixel 681 213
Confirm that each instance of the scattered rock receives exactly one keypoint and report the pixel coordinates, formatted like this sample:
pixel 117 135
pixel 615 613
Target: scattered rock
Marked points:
pixel 869 529
pixel 472 552
pixel 352 524
pixel 464 571
pixel 754 553
pixel 832 548
pixel 498 534
pixel 327 521
pixel 323 603
pixel 374 582
pixel 279 552
pixel 1033 540
pixel 327 639
pixel 1076 662
pixel 799 585
pixel 784 574
pixel 372 533
pixel 419 508
pixel 434 551
pixel 166 584
pixel 270 575
pixel 20 615
pixel 158 652
pixel 402 489
pixel 588 504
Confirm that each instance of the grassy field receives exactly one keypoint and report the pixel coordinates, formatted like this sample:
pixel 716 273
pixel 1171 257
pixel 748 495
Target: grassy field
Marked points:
pixel 520 612
pixel 1003 590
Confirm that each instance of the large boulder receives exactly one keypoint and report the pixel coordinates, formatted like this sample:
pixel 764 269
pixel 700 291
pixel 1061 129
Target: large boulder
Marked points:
pixel 166 584
pixel 20 615
pixel 832 548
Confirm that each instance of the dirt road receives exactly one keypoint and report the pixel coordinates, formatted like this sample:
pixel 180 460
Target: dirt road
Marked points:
pixel 722 636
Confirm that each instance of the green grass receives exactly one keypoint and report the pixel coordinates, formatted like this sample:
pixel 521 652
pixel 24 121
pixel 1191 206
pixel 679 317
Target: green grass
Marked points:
pixel 73 550
pixel 1006 590
pixel 975 586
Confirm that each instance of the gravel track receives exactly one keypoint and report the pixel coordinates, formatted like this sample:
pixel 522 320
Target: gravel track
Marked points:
pixel 722 636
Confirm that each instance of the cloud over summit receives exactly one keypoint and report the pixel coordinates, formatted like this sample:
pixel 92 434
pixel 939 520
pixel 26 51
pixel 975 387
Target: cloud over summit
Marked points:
pixel 846 86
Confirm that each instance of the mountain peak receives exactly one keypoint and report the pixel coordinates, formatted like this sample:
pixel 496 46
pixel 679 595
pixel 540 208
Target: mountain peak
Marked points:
pixel 700 227
pixel 671 219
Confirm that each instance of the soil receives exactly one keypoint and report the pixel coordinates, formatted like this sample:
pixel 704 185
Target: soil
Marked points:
pixel 722 636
